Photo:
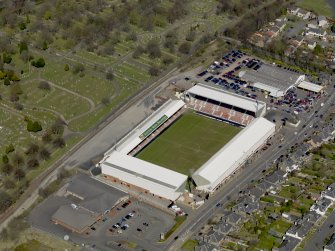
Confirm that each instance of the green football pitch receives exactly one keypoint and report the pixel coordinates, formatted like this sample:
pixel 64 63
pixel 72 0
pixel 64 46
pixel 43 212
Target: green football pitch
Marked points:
pixel 188 143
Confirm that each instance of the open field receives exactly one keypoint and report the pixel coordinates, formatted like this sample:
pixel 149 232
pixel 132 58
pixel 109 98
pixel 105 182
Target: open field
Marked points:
pixel 321 7
pixel 188 143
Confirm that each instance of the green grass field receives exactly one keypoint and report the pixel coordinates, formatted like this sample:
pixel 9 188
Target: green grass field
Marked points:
pixel 321 7
pixel 188 143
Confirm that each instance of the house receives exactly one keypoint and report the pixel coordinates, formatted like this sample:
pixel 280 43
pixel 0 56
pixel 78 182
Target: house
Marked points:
pixel 223 227
pixel 290 50
pixel 316 140
pixel 329 193
pixel 274 30
pixel 265 186
pixel 288 244
pixel 293 10
pixel 311 44
pixel 214 237
pixel 331 36
pixel 300 230
pixel 322 21
pixel 276 177
pixel 254 193
pixel 312 25
pixel 280 24
pixel 330 246
pixel 290 217
pixel 311 217
pixel 303 14
pixel 247 205
pixel 297 41
pixel 321 206
pixel 316 32
pixel 203 246
pixel 233 218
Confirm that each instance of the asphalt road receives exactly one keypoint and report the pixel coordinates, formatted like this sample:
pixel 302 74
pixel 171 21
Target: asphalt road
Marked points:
pixel 316 242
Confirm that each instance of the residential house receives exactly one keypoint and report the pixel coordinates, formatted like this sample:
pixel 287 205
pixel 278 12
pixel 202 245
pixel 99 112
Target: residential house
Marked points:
pixel 321 206
pixel 300 230
pixel 312 25
pixel 316 32
pixel 203 246
pixel 274 30
pixel 303 14
pixel 330 246
pixel 297 41
pixel 214 237
pixel 288 244
pixel 247 205
pixel 290 50
pixel 322 21
pixel 311 217
pixel 233 218
pixel 293 10
pixel 276 177
pixel 223 227
pixel 280 24
pixel 311 44
pixel 329 193
pixel 255 193
pixel 331 36
pixel 265 186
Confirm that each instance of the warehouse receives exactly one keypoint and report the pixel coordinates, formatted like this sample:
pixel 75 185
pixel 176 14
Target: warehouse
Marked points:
pixel 272 79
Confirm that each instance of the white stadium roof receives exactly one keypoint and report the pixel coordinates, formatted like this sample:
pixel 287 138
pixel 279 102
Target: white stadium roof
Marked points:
pixel 233 154
pixel 227 98
pixel 310 86
pixel 134 138
pixel 156 179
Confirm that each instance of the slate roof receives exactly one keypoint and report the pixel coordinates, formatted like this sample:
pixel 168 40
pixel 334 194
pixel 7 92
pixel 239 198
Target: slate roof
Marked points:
pixel 233 218
pixel 276 177
pixel 265 185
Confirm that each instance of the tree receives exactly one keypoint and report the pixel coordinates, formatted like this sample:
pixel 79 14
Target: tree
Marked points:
pixel 23 46
pixel 58 126
pixel 5 159
pixel 5 201
pixel 44 154
pixel 7 59
pixel 109 75
pixel 39 63
pixel 7 168
pixel 105 101
pixel 153 49
pixel 66 67
pixel 185 48
pixel 32 149
pixel 138 52
pixel 78 68
pixel 167 59
pixel 59 142
pixel 46 137
pixel 6 81
pixel 190 36
pixel 17 160
pixel 154 71
pixel 33 126
pixel 10 149
pixel 317 49
pixel 32 163
pixel 19 174
pixel 9 184
pixel 44 85
pixel 18 106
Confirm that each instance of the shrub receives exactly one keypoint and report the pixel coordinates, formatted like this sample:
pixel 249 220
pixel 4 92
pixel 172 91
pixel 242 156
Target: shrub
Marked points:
pixel 39 63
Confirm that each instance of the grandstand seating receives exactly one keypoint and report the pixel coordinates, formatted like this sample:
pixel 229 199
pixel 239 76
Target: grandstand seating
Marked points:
pixel 154 134
pixel 221 111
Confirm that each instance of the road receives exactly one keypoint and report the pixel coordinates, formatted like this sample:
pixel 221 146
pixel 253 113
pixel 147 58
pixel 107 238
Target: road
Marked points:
pixel 246 176
pixel 316 242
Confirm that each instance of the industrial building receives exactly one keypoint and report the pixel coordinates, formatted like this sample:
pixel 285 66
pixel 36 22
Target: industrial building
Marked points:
pixel 272 79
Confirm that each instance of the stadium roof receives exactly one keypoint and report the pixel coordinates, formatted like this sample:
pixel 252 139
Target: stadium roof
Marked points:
pixel 310 86
pixel 273 76
pixel 156 179
pixel 227 98
pixel 233 154
pixel 144 129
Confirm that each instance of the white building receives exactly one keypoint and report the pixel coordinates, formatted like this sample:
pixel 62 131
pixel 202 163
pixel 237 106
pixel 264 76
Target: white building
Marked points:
pixel 322 21
pixel 233 155
pixel 143 176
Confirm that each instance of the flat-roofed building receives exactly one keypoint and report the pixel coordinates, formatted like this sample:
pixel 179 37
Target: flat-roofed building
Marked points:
pixel 272 79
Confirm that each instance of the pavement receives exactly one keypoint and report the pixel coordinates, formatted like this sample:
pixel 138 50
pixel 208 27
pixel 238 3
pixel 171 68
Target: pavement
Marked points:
pixel 316 242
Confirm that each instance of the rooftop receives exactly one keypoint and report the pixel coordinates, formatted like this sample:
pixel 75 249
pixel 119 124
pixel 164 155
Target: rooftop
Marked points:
pixel 273 76
pixel 225 97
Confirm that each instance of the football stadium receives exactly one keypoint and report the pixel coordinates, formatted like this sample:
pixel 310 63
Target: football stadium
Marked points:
pixel 205 136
